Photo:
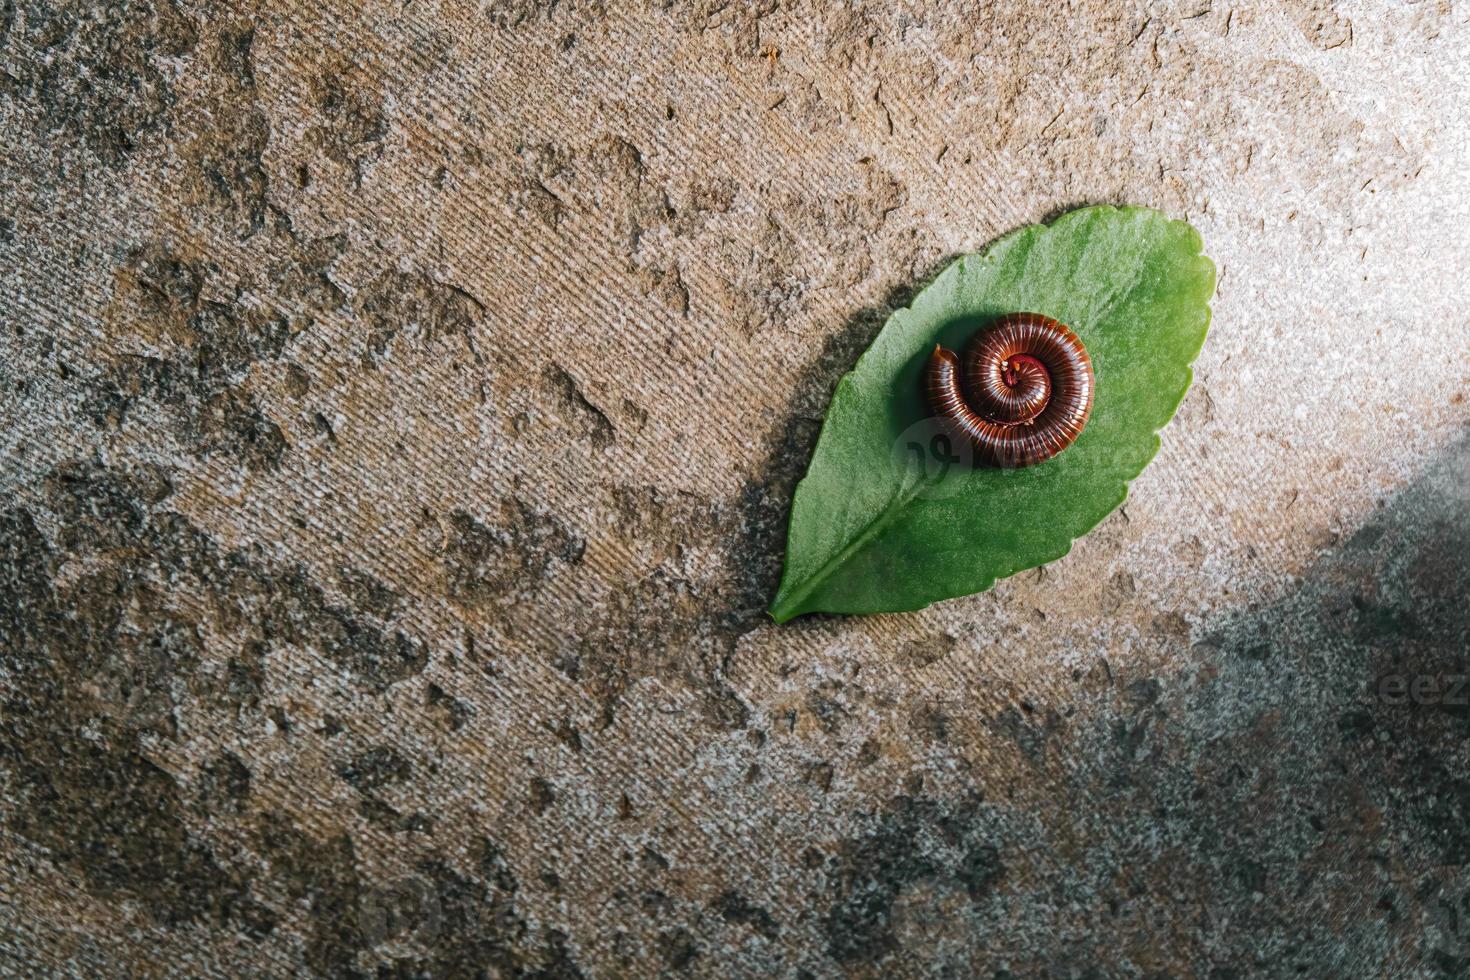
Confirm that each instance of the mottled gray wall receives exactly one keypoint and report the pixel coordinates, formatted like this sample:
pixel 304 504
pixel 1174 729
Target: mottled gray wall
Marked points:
pixel 400 403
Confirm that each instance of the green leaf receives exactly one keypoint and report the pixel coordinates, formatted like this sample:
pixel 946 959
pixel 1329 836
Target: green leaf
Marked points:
pixel 885 521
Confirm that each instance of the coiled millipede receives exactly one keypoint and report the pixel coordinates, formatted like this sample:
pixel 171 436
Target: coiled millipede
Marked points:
pixel 1024 394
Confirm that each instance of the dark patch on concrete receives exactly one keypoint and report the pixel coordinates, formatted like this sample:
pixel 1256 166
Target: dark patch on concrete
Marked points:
pixel 738 23
pixel 236 57
pixel 381 765
pixel 1118 592
pixel 368 593
pixel 95 78
pixel 676 622
pixel 115 817
pixel 668 287
pixel 927 650
pixel 606 178
pixel 568 734
pixel 212 346
pixel 299 273
pixel 735 908
pixel 454 713
pixel 232 171
pixel 827 709
pixel 97 509
pixel 678 948
pixel 818 774
pixel 127 614
pixel 508 15
pixel 209 348
pixel 767 280
pixel 541 795
pixel 324 428
pixel 930 722
pixel 386 818
pixel 433 921
pixel 1172 628
pixel 633 201
pixel 226 340
pixel 297 612
pixel 539 168
pixel 533 199
pixel 245 676
pixel 713 195
pixel 912 841
pixel 88 667
pixel 652 861
pixel 479 928
pixel 353 125
pixel 505 563
pixel 415 310
pixel 230 423
pixel 585 418
pixel 321 875
pixel 226 159
pixel 224 784
pixel 657 627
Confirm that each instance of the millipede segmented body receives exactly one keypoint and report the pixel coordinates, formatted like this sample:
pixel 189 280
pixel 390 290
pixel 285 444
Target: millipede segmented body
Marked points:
pixel 1023 395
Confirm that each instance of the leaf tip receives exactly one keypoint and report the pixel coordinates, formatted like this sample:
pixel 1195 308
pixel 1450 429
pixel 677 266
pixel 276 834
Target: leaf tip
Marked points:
pixel 781 612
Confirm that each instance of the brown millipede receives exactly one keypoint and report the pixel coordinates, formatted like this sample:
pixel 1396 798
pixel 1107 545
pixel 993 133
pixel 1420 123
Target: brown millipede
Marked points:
pixel 1024 394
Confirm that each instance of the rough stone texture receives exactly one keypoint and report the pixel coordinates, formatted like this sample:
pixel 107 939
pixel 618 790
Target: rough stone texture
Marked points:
pixel 402 402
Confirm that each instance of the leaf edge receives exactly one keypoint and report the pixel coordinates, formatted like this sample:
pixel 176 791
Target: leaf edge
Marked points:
pixel 781 616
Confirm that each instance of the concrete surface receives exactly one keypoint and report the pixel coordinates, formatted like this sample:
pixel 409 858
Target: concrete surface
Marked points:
pixel 401 404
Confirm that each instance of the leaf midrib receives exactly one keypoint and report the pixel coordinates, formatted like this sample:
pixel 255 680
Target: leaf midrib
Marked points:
pixel 872 529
